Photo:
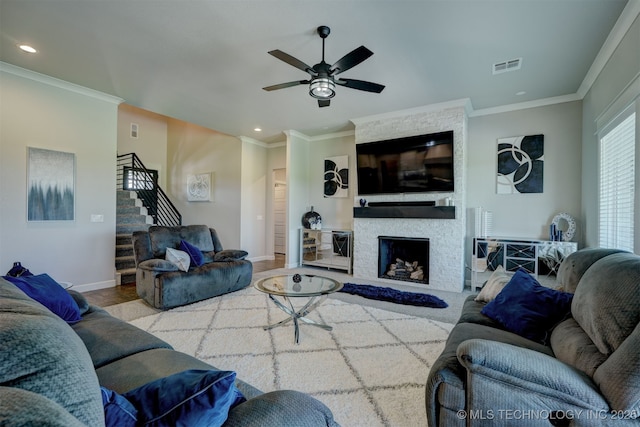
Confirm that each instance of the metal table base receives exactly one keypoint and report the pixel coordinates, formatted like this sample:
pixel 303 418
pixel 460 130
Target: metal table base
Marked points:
pixel 298 315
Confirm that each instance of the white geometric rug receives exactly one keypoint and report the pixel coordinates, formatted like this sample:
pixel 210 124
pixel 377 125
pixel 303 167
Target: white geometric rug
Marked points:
pixel 370 370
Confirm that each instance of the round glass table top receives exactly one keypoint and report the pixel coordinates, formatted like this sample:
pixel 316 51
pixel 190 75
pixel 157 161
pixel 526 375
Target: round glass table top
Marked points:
pixel 298 285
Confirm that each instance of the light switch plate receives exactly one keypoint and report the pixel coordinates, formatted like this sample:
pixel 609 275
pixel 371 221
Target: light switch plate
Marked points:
pixel 97 218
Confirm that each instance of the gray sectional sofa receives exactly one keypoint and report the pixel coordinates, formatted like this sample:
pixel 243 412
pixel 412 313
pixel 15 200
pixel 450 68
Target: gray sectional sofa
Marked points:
pixel 587 374
pixel 163 285
pixel 51 372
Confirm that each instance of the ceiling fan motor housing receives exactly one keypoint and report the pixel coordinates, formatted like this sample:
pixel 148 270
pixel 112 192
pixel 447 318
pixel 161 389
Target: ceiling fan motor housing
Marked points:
pixel 324 31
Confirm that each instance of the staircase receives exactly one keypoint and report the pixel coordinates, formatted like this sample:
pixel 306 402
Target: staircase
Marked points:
pixel 140 204
pixel 130 216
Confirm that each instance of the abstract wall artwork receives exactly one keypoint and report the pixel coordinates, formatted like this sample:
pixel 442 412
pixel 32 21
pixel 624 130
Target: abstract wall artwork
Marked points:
pixel 199 187
pixel 336 176
pixel 520 164
pixel 50 185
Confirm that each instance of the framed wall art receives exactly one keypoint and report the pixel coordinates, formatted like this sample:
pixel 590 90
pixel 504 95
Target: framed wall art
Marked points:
pixel 199 187
pixel 50 185
pixel 336 176
pixel 520 165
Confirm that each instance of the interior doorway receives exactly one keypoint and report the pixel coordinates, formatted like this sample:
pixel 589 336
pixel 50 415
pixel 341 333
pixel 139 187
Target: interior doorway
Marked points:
pixel 279 211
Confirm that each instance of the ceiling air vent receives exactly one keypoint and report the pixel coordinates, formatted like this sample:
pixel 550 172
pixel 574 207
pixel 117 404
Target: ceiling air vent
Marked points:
pixel 510 65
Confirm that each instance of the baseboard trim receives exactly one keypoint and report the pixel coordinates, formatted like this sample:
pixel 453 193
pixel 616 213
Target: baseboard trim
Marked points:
pixel 86 287
pixel 262 258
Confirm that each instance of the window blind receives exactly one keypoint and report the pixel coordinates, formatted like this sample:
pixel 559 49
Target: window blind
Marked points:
pixel 617 186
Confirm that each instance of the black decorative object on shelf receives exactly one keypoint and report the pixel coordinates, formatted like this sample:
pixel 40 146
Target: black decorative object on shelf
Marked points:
pixel 297 278
pixel 312 220
pixel 363 203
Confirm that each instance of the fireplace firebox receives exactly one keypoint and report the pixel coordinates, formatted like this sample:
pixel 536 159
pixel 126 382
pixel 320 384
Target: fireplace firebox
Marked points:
pixel 403 258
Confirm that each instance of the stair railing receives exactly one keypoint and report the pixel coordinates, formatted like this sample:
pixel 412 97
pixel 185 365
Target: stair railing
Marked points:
pixel 134 176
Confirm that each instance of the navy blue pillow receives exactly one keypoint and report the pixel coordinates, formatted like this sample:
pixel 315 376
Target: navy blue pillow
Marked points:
pixel 195 254
pixel 49 293
pixel 527 308
pixel 118 411
pixel 190 398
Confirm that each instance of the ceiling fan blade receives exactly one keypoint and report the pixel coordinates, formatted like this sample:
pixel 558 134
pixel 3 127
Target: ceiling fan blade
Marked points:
pixel 350 60
pixel 360 85
pixel 292 61
pixel 285 85
pixel 323 102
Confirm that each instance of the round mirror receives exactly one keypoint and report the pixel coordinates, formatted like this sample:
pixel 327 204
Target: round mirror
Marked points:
pixel 565 223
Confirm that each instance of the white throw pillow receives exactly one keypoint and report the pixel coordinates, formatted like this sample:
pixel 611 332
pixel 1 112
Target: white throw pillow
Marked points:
pixel 494 285
pixel 179 258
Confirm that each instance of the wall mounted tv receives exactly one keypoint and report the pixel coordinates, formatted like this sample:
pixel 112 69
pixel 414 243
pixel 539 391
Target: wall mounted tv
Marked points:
pixel 414 164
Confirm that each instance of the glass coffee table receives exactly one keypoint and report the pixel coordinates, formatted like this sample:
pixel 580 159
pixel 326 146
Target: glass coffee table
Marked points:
pixel 316 288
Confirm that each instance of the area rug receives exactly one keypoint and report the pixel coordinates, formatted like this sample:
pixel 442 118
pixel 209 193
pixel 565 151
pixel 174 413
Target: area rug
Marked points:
pixel 370 370
pixel 393 295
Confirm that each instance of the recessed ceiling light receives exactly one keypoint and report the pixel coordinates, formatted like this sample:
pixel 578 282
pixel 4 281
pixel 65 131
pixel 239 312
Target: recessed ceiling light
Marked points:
pixel 522 92
pixel 257 129
pixel 27 48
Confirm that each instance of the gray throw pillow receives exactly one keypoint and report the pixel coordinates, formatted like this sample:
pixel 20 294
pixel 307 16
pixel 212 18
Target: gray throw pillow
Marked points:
pixel 230 255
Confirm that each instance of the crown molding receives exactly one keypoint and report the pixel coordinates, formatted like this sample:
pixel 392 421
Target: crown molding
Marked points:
pixel 626 19
pixel 253 141
pixel 289 133
pixel 61 84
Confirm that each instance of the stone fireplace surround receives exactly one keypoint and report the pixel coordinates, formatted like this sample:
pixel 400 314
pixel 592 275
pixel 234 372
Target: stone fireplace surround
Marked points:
pixel 446 236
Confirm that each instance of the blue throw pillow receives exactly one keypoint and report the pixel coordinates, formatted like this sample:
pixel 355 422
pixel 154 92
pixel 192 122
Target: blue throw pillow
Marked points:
pixel 49 293
pixel 527 308
pixel 118 411
pixel 190 398
pixel 195 254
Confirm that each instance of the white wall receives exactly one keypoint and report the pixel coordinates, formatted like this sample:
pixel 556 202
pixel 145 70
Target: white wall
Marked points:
pixel 42 112
pixel 192 149
pixel 615 88
pixel 151 144
pixel 336 212
pixel 298 200
pixel 254 199
pixel 528 215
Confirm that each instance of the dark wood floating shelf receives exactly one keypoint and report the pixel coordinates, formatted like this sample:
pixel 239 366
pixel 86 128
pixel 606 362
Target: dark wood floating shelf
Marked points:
pixel 405 211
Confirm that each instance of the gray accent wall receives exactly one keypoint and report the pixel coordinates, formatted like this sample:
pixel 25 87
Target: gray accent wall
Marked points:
pixel 528 215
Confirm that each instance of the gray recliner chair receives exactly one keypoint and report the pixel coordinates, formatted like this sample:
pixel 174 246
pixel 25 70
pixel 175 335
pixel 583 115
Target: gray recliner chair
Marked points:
pixel 163 285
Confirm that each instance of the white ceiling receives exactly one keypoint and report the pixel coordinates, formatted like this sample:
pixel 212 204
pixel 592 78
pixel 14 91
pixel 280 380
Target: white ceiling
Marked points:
pixel 206 61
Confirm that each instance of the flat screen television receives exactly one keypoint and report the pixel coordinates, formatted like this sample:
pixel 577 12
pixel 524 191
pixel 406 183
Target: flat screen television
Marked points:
pixel 414 164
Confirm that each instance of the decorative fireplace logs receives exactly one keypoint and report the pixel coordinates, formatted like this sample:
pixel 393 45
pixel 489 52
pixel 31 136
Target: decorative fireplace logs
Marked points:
pixel 405 269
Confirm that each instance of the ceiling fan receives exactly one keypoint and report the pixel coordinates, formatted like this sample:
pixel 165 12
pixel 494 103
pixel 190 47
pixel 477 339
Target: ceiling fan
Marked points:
pixel 323 82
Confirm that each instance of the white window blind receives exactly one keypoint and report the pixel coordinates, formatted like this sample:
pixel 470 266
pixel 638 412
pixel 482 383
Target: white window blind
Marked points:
pixel 617 186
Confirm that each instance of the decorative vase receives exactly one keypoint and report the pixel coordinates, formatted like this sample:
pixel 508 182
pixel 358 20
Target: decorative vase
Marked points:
pixel 312 220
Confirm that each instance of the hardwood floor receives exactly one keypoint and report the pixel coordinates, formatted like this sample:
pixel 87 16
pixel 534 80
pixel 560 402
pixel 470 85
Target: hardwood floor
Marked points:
pixel 124 293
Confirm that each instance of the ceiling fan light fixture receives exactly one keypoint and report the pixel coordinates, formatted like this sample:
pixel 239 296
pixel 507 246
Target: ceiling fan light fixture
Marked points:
pixel 322 88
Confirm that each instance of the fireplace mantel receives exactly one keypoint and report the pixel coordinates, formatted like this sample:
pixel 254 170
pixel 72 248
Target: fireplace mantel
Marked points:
pixel 405 211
